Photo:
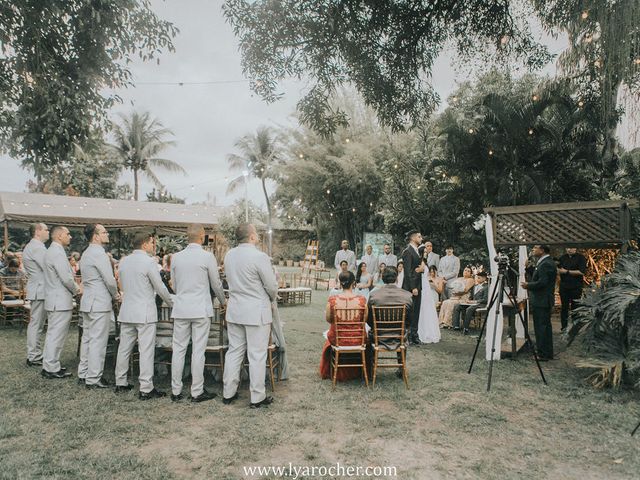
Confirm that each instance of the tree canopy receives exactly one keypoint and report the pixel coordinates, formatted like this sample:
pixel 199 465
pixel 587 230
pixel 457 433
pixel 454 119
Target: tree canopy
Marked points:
pixel 57 59
pixel 385 49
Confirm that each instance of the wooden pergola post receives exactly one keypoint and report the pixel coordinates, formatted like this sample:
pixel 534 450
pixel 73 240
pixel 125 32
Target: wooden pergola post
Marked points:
pixel 6 236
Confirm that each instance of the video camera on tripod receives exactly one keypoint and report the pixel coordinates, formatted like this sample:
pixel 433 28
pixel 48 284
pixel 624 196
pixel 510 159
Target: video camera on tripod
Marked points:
pixel 502 259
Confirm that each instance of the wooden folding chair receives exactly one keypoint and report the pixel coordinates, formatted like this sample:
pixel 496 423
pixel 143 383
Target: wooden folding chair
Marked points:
pixel 217 344
pixel 351 341
pixel 164 335
pixel 388 339
pixel 12 307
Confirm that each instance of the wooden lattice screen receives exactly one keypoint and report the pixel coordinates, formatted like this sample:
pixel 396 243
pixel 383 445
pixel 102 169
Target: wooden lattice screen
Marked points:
pixel 583 224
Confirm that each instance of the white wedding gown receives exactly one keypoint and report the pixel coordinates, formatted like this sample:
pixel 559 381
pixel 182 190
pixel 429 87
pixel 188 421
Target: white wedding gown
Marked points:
pixel 428 325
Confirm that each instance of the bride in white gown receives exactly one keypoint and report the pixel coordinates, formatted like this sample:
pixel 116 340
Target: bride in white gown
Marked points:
pixel 428 324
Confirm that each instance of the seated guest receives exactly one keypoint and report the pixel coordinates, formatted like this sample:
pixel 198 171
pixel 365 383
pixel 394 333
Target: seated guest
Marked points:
pixel 13 280
pixel 478 296
pixel 400 269
pixel 436 283
pixel 459 292
pixel 346 299
pixel 390 294
pixel 74 261
pixel 364 280
pixel 377 278
pixel 344 267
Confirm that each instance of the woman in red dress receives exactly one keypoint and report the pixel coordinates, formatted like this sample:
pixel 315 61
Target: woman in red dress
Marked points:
pixel 346 299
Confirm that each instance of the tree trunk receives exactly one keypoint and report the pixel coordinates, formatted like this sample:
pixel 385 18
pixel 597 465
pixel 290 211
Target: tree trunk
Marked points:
pixel 135 184
pixel 269 227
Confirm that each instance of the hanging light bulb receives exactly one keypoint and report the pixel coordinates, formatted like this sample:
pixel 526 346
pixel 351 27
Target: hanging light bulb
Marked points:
pixel 346 140
pixel 301 156
pixel 328 191
pixel 531 131
pixel 471 130
pixel 535 98
pixel 490 152
pixel 580 103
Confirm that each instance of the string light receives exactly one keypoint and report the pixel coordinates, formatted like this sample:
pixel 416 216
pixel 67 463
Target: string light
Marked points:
pixel 490 152
pixel 346 140
pixel 581 103
pixel 454 99
pixel 328 191
pixel 535 98
pixel 395 165
pixel 301 156
pixel 471 130
pixel 637 61
pixel 531 131
pixel 353 210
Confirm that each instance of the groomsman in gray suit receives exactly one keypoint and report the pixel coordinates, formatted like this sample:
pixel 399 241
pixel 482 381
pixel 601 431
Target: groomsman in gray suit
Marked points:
pixel 432 257
pixel 370 260
pixel 345 254
pixel 140 282
pixel 194 273
pixel 388 258
pixel 252 288
pixel 449 269
pixel 59 289
pixel 33 260
pixel 96 306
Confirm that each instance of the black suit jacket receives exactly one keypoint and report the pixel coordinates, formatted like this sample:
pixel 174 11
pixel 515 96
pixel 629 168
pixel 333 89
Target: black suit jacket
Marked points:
pixel 543 284
pixel 411 261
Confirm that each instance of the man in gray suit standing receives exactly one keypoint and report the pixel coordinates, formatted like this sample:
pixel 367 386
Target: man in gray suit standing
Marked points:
pixel 194 273
pixel 59 289
pixel 345 254
pixel 33 259
pixel 388 258
pixel 96 306
pixel 432 257
pixel 252 288
pixel 449 269
pixel 140 282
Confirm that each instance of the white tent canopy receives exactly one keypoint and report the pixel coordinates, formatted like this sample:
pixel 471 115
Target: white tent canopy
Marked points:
pixel 25 208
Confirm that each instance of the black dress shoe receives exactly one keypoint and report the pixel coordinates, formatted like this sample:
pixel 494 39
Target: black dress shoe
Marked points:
pixel 230 400
pixel 465 331
pixel 456 328
pixel 34 363
pixel 265 402
pixel 176 398
pixel 152 394
pixel 58 374
pixel 203 397
pixel 123 388
pixel 102 383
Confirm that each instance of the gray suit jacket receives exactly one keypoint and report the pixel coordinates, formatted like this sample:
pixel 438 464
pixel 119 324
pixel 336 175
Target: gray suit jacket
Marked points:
pixel 390 295
pixel 347 255
pixel 59 283
pixel 433 259
pixel 140 281
pixel 99 284
pixel 449 268
pixel 194 273
pixel 389 260
pixel 33 261
pixel 372 263
pixel 252 285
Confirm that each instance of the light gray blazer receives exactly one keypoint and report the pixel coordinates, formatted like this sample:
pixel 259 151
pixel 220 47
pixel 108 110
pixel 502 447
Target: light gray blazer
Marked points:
pixel 371 261
pixel 389 260
pixel 59 283
pixel 449 268
pixel 99 284
pixel 33 261
pixel 434 259
pixel 194 273
pixel 252 285
pixel 347 255
pixel 140 281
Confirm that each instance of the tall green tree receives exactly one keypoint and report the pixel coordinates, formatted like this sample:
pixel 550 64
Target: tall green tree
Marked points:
pixel 57 61
pixel 385 49
pixel 258 157
pixel 138 140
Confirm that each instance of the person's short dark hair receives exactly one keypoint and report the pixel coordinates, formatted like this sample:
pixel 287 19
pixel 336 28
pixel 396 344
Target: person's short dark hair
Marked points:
pixel 54 230
pixel 389 275
pixel 449 247
pixel 243 231
pixel 32 229
pixel 344 261
pixel 140 239
pixel 89 231
pixel 433 268
pixel 482 274
pixel 346 279
pixel 13 263
pixel 545 248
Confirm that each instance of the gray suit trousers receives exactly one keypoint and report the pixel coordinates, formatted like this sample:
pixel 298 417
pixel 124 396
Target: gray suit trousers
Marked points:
pixel 57 331
pixel 196 330
pixel 145 333
pixel 95 335
pixel 253 340
pixel 35 329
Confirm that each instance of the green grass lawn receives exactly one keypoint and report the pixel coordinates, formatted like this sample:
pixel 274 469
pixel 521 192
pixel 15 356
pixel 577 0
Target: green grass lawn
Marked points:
pixel 445 426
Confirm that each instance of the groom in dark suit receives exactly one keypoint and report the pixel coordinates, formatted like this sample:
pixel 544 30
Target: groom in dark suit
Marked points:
pixel 412 280
pixel 542 298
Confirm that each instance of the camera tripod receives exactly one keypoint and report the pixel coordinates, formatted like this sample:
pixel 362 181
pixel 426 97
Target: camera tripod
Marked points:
pixel 498 296
pixel 635 429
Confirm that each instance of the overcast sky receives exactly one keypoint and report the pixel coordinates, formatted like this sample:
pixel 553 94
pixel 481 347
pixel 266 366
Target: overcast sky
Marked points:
pixel 207 119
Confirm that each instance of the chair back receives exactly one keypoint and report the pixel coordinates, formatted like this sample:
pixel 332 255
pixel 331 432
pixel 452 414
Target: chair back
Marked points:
pixel 350 326
pixel 388 325
pixel 164 328
pixel 19 284
pixel 217 336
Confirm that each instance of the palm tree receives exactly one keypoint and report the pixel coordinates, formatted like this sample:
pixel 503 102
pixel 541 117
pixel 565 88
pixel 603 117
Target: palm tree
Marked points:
pixel 137 142
pixel 257 157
